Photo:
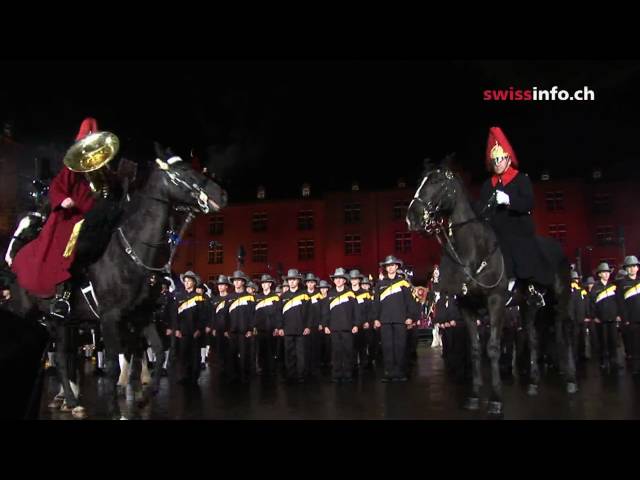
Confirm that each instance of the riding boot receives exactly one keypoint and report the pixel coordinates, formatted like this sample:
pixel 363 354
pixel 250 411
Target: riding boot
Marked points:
pixel 150 355
pixel 124 370
pixel 75 388
pixel 535 297
pixel 166 359
pixel 60 305
pixel 145 376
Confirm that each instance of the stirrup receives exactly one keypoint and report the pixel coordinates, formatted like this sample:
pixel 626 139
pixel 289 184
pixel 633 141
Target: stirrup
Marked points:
pixel 60 306
pixel 535 296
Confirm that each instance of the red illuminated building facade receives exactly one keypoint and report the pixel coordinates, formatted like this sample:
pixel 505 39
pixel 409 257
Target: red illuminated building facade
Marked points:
pixel 594 220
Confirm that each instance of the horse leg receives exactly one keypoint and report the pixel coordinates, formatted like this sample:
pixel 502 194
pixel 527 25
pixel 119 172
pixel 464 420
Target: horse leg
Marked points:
pixel 62 361
pixel 496 307
pixel 473 401
pixel 153 339
pixel 135 373
pixel 570 333
pixel 529 318
pixel 134 383
pixel 562 343
pixel 112 367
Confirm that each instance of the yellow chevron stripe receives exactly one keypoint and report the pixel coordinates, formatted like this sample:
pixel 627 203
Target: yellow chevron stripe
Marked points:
pixel 341 299
pixel 394 288
pixel 363 296
pixel 266 302
pixel 635 290
pixel 190 303
pixel 240 301
pixel 607 292
pixel 294 302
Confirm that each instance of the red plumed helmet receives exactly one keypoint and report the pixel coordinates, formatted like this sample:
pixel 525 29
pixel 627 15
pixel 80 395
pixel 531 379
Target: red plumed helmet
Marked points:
pixel 498 146
pixel 89 125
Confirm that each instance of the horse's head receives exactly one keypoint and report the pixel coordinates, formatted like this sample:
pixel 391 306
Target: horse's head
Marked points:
pixel 187 187
pixel 434 200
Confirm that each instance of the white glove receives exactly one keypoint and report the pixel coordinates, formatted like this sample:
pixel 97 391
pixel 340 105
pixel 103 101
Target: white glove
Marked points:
pixel 502 198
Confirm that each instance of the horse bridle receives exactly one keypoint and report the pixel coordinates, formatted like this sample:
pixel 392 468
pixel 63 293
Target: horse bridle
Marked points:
pixel 195 190
pixel 433 223
pixel 437 225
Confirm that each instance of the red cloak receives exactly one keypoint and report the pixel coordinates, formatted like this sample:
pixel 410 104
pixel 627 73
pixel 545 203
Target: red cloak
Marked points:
pixel 40 265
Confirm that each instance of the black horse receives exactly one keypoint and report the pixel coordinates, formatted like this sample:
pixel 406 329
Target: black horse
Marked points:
pixel 472 267
pixel 136 248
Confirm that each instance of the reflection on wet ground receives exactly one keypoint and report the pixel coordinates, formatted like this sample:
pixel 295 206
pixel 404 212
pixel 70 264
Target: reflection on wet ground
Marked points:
pixel 429 394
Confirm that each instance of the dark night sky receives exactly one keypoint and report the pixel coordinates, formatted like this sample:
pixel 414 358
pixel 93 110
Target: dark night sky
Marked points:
pixel 283 122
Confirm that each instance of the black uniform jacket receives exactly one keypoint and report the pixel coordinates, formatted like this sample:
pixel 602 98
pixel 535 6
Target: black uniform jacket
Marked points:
pixel 393 301
pixel 295 312
pixel 629 299
pixel 604 304
pixel 191 312
pixel 340 310
pixel 241 312
pixel 268 311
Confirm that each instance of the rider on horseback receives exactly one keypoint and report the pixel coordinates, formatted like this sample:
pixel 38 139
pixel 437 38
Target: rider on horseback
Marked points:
pixel 507 200
pixel 47 265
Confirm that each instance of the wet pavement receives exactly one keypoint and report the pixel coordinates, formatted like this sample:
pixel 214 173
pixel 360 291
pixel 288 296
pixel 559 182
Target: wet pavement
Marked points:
pixel 430 393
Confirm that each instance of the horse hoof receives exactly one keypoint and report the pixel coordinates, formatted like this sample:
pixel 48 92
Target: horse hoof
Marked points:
pixel 532 390
pixel 495 409
pixel 79 412
pixel 66 408
pixel 572 388
pixel 55 404
pixel 472 403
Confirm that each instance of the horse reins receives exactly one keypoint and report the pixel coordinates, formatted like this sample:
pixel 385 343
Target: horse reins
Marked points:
pixel 176 180
pixel 435 226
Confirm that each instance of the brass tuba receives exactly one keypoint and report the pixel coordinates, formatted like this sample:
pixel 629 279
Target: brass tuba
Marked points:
pixel 90 156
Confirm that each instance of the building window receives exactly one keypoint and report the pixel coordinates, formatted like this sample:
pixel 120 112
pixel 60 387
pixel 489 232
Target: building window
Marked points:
pixel 400 210
pixel 604 235
pixel 602 203
pixel 216 225
pixel 352 244
pixel 259 252
pixel 259 222
pixel 558 231
pixel 216 253
pixel 403 242
pixel 305 220
pixel 555 200
pixel 352 213
pixel 305 249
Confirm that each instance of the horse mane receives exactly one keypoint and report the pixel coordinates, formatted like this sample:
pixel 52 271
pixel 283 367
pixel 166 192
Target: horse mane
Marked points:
pixel 428 166
pixel 144 170
pixel 447 162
